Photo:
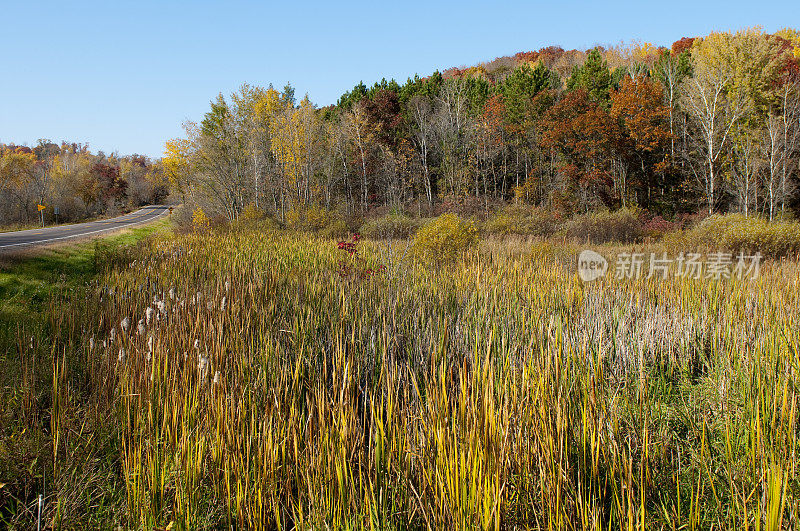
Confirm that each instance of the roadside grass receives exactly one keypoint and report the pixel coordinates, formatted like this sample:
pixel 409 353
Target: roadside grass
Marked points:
pixel 28 277
pixel 32 281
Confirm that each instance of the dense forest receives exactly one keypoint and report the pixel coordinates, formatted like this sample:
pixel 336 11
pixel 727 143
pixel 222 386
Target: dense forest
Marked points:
pixel 710 124
pixel 74 182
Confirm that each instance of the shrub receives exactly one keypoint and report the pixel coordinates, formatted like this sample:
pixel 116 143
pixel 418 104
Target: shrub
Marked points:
pixel 220 223
pixel 252 217
pixel 200 220
pixel 522 220
pixel 336 229
pixel 316 219
pixel 445 238
pixel 181 219
pixel 739 234
pixel 621 225
pixel 294 218
pixel 657 227
pixel 391 226
pixel 251 213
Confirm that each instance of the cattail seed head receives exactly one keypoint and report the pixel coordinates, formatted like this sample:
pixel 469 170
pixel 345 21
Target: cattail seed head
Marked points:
pixel 202 365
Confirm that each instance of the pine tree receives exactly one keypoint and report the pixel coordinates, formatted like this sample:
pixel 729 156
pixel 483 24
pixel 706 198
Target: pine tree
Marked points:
pixel 594 77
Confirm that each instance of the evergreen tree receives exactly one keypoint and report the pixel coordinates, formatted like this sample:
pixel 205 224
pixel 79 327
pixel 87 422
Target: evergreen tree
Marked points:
pixel 287 97
pixel 594 77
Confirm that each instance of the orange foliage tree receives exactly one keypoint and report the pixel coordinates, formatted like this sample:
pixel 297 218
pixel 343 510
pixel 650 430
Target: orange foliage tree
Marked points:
pixel 639 108
pixel 586 137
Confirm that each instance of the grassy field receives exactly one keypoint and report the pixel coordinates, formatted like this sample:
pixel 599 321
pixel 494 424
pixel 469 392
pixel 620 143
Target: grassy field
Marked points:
pixel 29 277
pixel 33 284
pixel 264 379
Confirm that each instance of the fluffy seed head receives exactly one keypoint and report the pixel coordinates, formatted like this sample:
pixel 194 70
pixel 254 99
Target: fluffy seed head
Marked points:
pixel 202 366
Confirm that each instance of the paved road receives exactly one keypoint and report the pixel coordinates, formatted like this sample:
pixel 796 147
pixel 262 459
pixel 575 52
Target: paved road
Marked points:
pixel 25 238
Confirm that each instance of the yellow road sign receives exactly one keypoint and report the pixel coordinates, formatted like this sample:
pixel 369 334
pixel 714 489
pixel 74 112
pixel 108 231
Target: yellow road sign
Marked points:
pixel 40 207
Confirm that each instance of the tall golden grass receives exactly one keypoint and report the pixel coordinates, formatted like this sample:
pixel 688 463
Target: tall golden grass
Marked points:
pixel 265 391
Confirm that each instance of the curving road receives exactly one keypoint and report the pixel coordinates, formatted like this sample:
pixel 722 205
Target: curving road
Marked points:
pixel 23 238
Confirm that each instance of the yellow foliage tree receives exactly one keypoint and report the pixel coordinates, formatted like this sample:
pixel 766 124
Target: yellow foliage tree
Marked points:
pixel 16 166
pixel 793 36
pixel 176 163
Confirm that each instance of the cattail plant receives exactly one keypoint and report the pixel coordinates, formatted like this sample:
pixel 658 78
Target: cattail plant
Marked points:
pixel 494 390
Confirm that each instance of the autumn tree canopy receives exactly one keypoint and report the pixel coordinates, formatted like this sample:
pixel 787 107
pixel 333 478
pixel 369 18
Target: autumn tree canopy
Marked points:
pixel 672 129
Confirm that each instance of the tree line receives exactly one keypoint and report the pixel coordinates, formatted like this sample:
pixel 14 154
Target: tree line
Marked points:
pixel 69 179
pixel 709 124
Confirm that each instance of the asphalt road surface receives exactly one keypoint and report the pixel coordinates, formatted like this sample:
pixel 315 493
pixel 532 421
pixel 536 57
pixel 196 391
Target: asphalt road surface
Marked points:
pixel 26 238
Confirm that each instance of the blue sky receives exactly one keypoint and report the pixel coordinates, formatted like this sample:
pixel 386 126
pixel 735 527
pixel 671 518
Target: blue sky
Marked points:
pixel 123 76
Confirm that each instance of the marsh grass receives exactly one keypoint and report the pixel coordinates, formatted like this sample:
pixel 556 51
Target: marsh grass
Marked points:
pixel 492 391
